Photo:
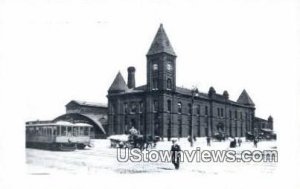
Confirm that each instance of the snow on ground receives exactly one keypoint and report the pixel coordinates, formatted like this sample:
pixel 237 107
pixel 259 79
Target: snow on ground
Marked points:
pixel 103 159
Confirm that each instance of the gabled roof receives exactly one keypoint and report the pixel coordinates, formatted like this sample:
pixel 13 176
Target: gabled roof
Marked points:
pixel 245 99
pixel 85 103
pixel 118 84
pixel 161 43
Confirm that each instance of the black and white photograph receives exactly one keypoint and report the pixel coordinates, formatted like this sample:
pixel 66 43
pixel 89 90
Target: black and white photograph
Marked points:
pixel 149 94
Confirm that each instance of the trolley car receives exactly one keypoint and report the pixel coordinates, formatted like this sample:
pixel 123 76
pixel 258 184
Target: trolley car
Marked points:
pixel 60 135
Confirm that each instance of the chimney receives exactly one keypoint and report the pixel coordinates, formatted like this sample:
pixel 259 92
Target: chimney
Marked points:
pixel 131 77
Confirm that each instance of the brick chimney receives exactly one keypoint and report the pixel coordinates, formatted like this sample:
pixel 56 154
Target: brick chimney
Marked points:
pixel 131 77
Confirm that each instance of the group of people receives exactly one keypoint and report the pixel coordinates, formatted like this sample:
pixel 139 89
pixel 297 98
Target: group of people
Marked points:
pixel 175 148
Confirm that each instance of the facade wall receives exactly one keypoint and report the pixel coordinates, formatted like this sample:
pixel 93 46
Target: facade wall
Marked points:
pixel 208 116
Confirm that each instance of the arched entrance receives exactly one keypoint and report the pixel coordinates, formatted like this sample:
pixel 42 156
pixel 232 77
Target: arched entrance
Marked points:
pixel 94 120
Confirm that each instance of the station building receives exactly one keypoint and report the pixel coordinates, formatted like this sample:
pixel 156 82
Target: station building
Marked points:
pixel 160 108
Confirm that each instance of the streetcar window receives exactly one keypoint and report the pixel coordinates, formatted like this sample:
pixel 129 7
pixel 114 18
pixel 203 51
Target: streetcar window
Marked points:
pixel 63 131
pixel 49 131
pixel 44 131
pixel 75 131
pixel 81 131
pixel 69 131
pixel 58 130
pixel 54 131
pixel 39 131
pixel 86 131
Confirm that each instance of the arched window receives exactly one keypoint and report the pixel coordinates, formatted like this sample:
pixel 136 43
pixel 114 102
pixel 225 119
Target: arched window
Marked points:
pixel 179 107
pixel 169 84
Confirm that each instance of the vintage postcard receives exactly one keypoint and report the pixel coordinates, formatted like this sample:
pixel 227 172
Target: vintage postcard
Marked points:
pixel 144 94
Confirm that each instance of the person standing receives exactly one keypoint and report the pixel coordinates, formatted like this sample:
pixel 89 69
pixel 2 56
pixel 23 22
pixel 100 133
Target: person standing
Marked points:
pixel 208 141
pixel 255 141
pixel 175 152
pixel 239 142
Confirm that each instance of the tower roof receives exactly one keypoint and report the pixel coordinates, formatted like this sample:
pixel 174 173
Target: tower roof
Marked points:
pixel 118 84
pixel 161 43
pixel 244 98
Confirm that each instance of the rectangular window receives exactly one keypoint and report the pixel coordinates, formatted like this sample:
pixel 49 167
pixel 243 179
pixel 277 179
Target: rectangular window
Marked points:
pixel 155 84
pixel 155 106
pixel 81 131
pixel 86 131
pixel 63 131
pixel 141 120
pixel 69 133
pixel 75 131
pixel 206 110
pixel 125 108
pixel 169 105
pixel 218 112
pixel 141 107
pixel 198 110
pixel 133 107
pixel 222 112
pixel 190 108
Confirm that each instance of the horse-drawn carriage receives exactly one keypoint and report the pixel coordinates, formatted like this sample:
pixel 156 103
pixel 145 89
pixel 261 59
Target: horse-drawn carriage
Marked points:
pixel 220 136
pixel 133 141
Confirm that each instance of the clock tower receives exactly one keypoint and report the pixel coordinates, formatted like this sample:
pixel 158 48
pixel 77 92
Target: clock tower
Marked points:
pixel 161 64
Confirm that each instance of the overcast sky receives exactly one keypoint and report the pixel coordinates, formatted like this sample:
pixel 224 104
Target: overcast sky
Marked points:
pixel 53 51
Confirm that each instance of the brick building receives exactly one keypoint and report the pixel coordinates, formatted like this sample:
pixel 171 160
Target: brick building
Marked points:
pixel 161 108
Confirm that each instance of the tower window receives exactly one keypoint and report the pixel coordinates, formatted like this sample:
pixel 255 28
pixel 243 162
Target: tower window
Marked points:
pixel 169 67
pixel 155 106
pixel 155 84
pixel 155 67
pixel 169 105
pixel 179 106
pixel 169 84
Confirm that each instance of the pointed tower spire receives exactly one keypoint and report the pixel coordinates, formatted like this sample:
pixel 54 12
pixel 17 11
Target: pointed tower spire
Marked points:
pixel 161 43
pixel 245 99
pixel 119 84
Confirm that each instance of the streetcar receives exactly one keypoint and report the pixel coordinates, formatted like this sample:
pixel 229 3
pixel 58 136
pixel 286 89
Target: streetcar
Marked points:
pixel 61 135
